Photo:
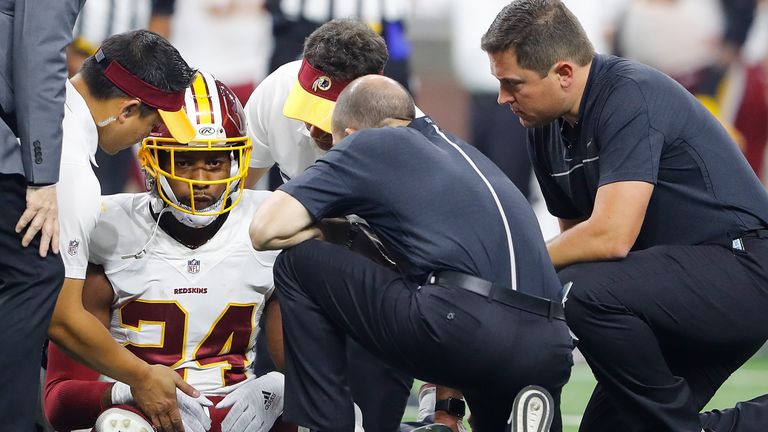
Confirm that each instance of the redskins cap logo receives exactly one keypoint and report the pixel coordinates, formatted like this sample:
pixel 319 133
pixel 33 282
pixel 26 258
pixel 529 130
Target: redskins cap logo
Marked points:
pixel 322 83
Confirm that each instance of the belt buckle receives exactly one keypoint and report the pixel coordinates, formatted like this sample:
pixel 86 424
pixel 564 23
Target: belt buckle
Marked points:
pixel 737 246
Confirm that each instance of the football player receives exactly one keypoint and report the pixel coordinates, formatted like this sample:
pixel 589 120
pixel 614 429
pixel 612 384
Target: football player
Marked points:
pixel 179 283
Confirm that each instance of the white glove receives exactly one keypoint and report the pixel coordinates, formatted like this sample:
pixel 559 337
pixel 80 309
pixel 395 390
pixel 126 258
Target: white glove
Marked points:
pixel 255 405
pixel 193 415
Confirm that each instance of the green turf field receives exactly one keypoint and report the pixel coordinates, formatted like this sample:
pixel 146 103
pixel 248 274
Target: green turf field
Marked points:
pixel 748 382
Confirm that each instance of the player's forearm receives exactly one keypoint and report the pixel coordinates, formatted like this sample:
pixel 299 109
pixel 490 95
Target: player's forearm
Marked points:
pixel 87 341
pixel 583 242
pixel 72 405
pixel 73 395
pixel 83 337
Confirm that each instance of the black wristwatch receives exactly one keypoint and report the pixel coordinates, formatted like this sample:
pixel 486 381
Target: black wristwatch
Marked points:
pixel 452 406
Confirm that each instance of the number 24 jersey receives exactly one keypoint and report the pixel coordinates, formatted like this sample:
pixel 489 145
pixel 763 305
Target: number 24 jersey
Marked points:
pixel 194 310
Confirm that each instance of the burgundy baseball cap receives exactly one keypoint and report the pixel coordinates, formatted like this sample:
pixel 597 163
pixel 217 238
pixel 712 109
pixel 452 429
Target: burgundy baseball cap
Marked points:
pixel 169 104
pixel 313 97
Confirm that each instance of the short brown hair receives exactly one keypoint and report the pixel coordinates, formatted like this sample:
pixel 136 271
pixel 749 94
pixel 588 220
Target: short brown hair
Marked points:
pixel 541 32
pixel 345 49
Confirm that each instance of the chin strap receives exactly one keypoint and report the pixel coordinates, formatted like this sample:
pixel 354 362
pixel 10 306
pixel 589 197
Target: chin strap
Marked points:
pixel 189 219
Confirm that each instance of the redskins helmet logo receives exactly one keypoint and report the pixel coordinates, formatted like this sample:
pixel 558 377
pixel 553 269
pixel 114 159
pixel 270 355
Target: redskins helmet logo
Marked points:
pixel 322 83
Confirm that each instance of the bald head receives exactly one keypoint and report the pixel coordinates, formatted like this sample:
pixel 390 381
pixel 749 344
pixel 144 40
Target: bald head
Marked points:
pixel 371 101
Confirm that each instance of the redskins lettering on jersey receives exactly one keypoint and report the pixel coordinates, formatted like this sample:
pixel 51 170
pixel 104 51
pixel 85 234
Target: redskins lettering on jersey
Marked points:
pixel 194 310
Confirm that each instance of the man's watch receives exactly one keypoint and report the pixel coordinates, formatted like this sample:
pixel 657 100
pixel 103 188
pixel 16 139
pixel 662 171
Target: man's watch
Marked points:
pixel 452 406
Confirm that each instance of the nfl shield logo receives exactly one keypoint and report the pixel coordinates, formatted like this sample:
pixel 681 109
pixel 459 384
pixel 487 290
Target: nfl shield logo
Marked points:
pixel 193 266
pixel 73 246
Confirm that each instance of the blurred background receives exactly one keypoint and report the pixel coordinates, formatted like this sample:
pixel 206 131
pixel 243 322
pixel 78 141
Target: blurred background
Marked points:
pixel 717 49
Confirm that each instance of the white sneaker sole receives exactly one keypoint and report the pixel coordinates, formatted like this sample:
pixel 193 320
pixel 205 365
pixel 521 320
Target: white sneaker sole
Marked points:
pixel 532 410
pixel 120 420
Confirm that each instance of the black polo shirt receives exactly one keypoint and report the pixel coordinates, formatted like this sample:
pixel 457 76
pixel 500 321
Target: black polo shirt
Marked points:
pixel 435 201
pixel 637 124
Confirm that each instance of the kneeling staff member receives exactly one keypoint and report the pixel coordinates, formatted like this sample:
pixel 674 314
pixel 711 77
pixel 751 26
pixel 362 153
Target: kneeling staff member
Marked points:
pixel 476 303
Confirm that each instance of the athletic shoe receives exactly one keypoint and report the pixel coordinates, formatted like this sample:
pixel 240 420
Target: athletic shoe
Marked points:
pixel 532 411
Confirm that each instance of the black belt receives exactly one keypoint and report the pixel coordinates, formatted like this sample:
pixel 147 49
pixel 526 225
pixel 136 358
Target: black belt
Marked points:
pixel 759 233
pixel 536 305
pixel 736 242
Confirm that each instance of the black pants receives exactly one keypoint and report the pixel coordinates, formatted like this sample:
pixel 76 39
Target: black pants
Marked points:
pixel 664 328
pixel 29 286
pixel 444 335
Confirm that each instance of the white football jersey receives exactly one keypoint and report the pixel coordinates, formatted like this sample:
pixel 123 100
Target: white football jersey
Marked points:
pixel 194 310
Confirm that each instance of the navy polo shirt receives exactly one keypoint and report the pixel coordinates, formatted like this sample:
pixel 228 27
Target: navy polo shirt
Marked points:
pixel 637 124
pixel 435 201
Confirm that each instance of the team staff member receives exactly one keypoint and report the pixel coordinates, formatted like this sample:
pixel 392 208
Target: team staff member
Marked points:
pixel 663 223
pixel 135 81
pixel 289 113
pixel 305 91
pixel 98 20
pixel 472 258
pixel 33 36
